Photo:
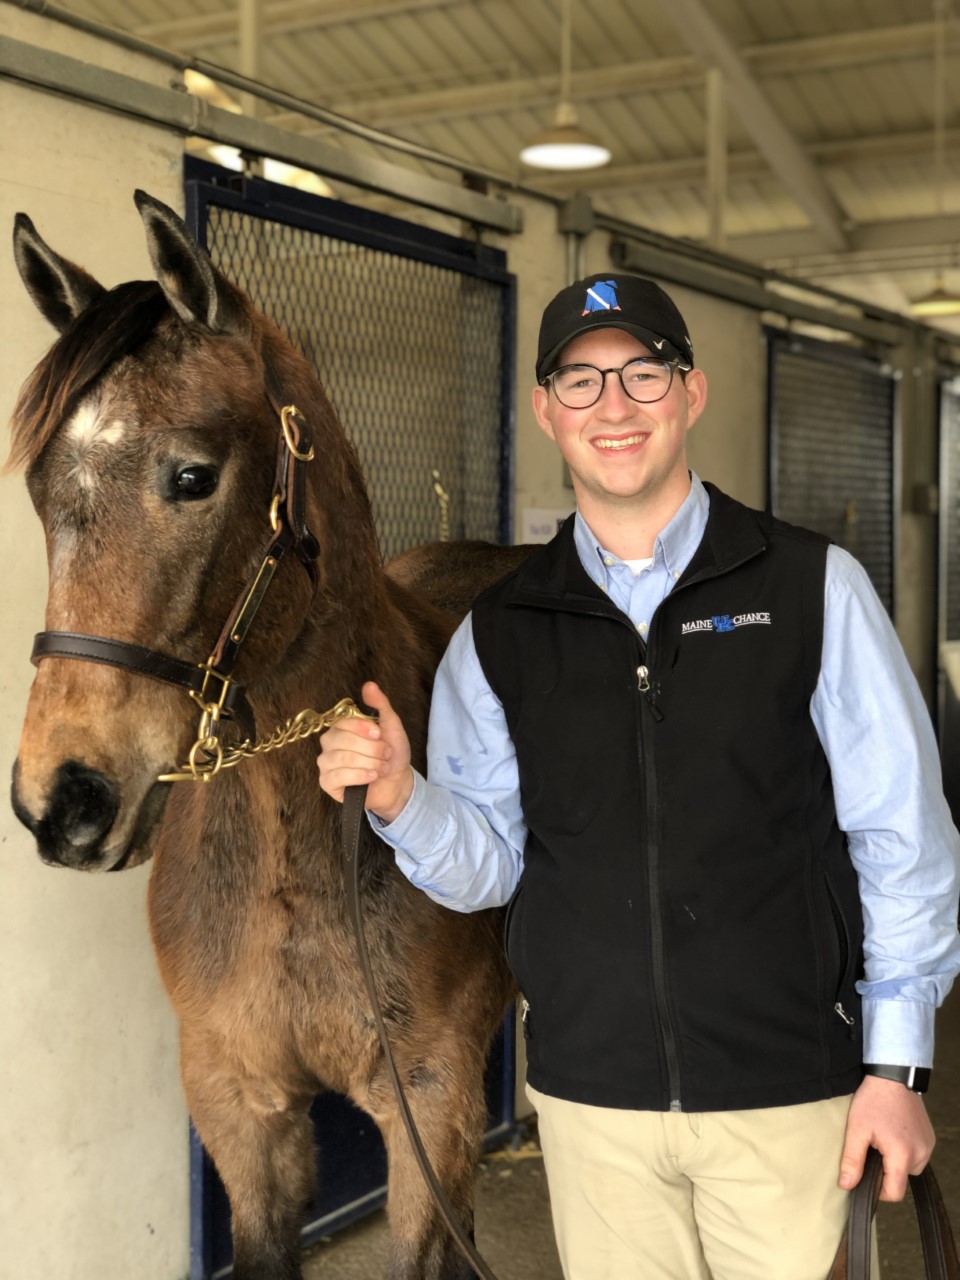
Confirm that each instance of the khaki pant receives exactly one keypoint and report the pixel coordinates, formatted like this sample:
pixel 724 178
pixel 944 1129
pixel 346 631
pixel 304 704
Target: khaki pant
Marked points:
pixel 735 1195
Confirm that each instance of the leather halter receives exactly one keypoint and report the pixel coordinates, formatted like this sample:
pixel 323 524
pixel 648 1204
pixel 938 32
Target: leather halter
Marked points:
pixel 210 683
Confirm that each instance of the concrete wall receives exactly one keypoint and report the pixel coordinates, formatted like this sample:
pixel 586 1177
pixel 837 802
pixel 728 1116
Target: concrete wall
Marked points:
pixel 93 1130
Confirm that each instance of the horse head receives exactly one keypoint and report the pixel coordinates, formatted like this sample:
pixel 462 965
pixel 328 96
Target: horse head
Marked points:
pixel 149 434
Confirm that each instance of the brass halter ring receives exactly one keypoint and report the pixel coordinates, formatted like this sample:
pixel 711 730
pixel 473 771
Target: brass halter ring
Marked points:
pixel 291 432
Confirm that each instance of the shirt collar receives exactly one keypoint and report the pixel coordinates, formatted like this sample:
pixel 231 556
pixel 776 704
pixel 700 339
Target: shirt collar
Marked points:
pixel 674 546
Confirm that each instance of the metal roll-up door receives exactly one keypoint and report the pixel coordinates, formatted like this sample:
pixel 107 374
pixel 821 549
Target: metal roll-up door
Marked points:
pixel 832 436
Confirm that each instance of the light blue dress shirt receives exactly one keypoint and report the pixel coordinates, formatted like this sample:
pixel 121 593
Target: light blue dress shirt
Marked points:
pixel 461 835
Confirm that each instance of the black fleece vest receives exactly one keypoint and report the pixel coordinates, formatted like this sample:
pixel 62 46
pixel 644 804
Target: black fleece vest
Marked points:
pixel 687 929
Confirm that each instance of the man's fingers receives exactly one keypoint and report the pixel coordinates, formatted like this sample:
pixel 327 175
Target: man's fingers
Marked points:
pixel 894 1182
pixel 852 1160
pixel 377 700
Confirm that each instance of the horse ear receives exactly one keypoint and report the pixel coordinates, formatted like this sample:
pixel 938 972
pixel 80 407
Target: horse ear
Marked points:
pixel 186 275
pixel 60 289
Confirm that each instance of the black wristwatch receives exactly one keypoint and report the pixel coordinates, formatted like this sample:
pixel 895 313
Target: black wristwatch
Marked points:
pixel 916 1079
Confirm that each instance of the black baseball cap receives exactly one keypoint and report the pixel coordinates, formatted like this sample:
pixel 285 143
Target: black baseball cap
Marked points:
pixel 607 301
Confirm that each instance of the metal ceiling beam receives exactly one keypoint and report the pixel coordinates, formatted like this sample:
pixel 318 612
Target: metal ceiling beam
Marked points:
pixel 757 116
pixel 767 61
pixel 282 17
pixel 189 115
pixel 817 53
pixel 873 240
pixel 887 149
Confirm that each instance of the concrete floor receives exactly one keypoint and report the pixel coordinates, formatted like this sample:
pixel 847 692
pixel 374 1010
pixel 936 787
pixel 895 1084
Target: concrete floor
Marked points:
pixel 513 1227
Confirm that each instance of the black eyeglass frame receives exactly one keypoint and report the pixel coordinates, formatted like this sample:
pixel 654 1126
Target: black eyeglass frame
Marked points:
pixel 676 365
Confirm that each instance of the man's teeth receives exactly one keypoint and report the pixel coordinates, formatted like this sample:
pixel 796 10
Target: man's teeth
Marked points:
pixel 618 444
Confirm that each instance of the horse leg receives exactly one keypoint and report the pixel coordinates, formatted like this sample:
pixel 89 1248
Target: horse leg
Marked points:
pixel 263 1150
pixel 449 1115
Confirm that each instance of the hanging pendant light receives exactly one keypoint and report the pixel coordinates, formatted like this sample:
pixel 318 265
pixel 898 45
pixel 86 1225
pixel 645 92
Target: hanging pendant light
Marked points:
pixel 565 145
pixel 940 301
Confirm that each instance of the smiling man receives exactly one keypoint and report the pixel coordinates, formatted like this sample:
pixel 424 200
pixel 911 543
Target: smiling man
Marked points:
pixel 683 742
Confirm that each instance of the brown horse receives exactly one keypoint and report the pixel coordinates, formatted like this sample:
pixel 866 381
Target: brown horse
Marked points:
pixel 149 441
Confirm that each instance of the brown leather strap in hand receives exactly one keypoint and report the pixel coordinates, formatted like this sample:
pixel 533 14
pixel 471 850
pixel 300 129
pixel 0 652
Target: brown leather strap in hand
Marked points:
pixel 352 819
pixel 936 1237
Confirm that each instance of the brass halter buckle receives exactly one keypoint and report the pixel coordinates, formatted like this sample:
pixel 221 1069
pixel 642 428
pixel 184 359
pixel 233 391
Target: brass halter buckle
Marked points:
pixel 291 432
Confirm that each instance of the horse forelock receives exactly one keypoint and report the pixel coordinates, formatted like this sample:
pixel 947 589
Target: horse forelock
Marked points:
pixel 117 324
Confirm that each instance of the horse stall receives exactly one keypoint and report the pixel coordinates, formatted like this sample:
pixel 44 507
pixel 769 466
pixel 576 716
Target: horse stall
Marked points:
pixel 102 1179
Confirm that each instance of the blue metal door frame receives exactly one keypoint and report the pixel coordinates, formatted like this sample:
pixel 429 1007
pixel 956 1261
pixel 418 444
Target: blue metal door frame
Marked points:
pixel 354 1159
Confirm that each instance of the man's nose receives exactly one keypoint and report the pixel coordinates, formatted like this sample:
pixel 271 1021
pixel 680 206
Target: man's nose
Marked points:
pixel 613 399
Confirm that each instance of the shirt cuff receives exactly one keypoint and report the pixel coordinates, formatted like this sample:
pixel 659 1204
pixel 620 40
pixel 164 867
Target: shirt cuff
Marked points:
pixel 898 1032
pixel 419 823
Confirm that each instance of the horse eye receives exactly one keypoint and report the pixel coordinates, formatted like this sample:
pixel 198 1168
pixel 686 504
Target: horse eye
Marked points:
pixel 195 482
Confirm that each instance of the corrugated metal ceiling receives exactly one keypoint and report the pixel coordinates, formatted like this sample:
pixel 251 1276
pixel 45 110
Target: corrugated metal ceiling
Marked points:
pixel 852 81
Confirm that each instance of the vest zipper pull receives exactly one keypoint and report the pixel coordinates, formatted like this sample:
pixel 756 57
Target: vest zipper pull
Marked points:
pixel 838 1008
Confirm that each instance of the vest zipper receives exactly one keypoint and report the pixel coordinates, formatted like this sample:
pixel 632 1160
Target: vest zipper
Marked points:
pixel 649 774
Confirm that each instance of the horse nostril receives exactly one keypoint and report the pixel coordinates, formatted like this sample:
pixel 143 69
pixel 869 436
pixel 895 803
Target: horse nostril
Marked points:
pixel 81 810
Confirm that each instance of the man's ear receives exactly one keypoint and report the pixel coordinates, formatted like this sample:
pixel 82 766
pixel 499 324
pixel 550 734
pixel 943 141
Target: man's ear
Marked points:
pixel 696 388
pixel 541 405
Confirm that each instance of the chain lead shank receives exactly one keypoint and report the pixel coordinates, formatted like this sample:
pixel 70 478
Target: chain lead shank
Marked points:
pixel 208 756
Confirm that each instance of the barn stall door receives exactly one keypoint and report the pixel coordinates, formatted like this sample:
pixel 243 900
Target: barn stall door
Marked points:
pixel 412 334
pixel 832 436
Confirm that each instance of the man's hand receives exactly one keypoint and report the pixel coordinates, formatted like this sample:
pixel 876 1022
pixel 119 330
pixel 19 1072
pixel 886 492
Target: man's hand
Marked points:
pixel 886 1115
pixel 360 752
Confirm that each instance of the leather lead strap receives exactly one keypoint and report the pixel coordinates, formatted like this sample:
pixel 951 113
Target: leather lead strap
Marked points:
pixel 352 818
pixel 936 1237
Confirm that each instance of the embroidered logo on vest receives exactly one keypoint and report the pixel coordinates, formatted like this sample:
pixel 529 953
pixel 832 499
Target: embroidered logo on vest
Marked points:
pixel 722 622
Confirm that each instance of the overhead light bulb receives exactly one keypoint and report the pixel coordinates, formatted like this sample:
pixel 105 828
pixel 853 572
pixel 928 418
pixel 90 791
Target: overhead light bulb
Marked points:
pixel 566 145
pixel 938 302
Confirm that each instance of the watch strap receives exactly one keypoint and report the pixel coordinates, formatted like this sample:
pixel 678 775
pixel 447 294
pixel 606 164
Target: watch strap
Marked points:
pixel 917 1079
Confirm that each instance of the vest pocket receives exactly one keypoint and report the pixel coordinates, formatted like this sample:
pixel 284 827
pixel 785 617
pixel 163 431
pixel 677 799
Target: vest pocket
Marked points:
pixel 845 954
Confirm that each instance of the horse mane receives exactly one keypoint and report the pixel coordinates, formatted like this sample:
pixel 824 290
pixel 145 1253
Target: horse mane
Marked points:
pixel 115 325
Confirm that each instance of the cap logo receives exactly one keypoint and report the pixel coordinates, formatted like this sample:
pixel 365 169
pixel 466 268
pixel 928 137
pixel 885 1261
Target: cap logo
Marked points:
pixel 658 345
pixel 601 296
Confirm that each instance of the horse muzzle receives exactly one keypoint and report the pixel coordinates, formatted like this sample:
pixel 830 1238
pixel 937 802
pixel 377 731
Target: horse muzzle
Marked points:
pixel 81 808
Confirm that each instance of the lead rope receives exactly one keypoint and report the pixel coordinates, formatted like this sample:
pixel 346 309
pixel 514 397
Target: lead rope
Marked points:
pixel 353 802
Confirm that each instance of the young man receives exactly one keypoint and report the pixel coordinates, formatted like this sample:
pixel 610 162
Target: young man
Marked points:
pixel 683 741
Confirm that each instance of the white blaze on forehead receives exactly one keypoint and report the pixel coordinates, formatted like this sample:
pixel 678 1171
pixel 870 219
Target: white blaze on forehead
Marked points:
pixel 88 426
pixel 86 429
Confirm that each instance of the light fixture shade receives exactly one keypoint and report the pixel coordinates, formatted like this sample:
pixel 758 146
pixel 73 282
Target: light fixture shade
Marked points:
pixel 938 302
pixel 565 146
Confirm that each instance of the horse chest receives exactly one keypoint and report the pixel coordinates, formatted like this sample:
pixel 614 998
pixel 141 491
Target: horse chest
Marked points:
pixel 251 907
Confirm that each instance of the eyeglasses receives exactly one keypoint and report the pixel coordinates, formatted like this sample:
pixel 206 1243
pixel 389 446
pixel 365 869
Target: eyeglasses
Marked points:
pixel 578 386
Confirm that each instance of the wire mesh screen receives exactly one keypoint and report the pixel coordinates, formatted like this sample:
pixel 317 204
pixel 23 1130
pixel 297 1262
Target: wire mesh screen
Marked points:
pixel 409 353
pixel 950 510
pixel 832 455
